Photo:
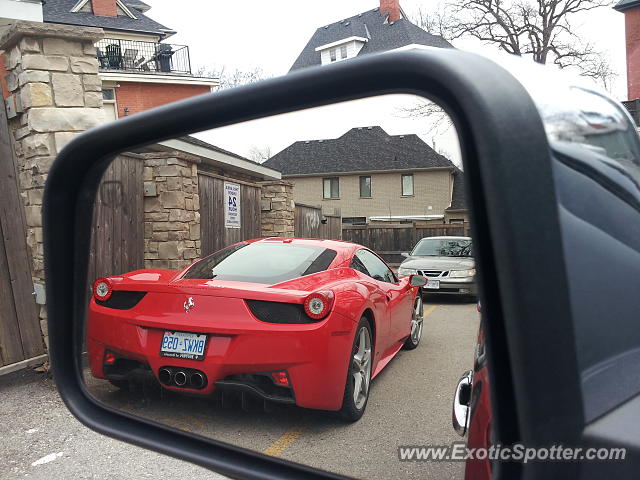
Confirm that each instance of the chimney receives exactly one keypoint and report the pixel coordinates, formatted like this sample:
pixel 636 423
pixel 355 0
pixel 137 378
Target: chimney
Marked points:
pixel 106 8
pixel 391 8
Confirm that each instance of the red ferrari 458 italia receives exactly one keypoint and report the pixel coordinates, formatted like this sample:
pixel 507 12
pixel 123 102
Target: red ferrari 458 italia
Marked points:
pixel 304 322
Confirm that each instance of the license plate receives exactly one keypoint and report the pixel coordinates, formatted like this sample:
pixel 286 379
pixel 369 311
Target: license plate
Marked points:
pixel 185 345
pixel 433 284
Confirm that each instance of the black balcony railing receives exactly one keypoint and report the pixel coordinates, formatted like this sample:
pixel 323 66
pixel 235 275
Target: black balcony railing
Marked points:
pixel 143 57
pixel 634 109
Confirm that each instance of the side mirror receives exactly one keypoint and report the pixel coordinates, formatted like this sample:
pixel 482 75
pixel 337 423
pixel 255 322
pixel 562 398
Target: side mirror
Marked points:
pixel 405 254
pixel 505 153
pixel 461 400
pixel 417 281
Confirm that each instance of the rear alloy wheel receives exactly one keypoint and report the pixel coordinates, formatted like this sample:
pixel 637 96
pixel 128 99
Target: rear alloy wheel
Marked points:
pixel 356 392
pixel 417 319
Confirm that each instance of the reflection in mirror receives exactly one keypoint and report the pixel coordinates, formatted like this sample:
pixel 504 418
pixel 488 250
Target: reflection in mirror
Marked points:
pixel 224 306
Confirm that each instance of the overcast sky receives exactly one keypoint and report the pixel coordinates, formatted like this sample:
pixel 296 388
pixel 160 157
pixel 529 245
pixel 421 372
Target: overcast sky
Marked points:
pixel 246 34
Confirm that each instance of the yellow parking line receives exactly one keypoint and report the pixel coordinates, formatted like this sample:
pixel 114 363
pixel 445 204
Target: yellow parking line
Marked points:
pixel 428 312
pixel 284 442
pixel 287 438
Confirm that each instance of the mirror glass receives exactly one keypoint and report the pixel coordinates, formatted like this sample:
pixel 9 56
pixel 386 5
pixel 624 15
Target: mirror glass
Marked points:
pixel 224 304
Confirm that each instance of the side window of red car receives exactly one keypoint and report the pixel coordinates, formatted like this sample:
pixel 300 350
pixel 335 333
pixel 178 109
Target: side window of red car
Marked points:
pixel 376 268
pixel 357 264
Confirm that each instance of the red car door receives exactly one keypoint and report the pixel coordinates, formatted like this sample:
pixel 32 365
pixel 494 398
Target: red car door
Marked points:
pixel 401 308
pixel 397 297
pixel 380 298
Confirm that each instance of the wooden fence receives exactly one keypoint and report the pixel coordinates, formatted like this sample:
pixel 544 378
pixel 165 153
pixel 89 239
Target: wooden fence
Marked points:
pixel 20 335
pixel 311 223
pixel 117 240
pixel 390 241
pixel 213 232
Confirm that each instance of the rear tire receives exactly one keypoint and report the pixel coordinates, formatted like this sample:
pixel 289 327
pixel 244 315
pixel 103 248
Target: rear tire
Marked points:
pixel 417 320
pixel 358 385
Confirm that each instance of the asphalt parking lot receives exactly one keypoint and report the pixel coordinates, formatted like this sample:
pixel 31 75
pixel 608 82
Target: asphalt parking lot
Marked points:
pixel 41 440
pixel 410 404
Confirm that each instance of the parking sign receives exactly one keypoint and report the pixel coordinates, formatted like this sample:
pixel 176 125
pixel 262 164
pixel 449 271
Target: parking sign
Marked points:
pixel 231 205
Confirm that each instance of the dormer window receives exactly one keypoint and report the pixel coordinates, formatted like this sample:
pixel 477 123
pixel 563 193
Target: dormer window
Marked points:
pixel 341 50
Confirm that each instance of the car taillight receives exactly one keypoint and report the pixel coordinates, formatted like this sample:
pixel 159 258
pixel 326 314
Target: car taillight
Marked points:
pixel 109 357
pixel 318 304
pixel 281 378
pixel 102 289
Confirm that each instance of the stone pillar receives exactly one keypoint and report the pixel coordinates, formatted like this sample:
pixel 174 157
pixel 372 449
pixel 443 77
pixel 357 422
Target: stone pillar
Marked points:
pixel 55 93
pixel 171 210
pixel 278 209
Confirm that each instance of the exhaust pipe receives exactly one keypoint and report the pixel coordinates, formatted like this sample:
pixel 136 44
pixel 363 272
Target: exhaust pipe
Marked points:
pixel 197 380
pixel 180 378
pixel 164 375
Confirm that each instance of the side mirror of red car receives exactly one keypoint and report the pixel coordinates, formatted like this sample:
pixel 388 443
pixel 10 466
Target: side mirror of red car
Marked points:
pixel 417 281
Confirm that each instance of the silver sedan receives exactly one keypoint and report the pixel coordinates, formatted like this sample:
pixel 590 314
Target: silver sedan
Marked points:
pixel 446 261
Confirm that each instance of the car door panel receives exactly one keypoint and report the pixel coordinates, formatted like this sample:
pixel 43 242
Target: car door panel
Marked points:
pixel 378 298
pixel 395 298
pixel 400 309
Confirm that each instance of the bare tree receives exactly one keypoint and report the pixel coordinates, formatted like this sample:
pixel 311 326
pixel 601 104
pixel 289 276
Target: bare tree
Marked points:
pixel 540 29
pixel 432 21
pixel 232 78
pixel 260 154
pixel 440 121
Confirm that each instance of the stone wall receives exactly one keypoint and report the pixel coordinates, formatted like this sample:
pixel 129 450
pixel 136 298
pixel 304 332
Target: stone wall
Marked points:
pixel 171 210
pixel 278 209
pixel 54 93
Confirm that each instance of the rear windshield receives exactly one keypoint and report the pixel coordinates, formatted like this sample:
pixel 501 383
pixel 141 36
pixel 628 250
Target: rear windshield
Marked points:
pixel 268 263
pixel 428 247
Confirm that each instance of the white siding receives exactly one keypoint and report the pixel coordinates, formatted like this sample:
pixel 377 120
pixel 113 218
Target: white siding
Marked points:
pixel 354 48
pixel 324 56
pixel 21 10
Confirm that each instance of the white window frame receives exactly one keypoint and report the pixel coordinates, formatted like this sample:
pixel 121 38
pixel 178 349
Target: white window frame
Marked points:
pixel 402 177
pixel 329 181
pixel 111 102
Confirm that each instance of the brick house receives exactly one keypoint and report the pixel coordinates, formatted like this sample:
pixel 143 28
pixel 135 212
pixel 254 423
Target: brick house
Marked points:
pixel 370 176
pixel 139 69
pixel 631 11
pixel 382 29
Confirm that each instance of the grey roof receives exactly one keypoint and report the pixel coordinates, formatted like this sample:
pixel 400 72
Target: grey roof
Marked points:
pixel 143 7
pixel 381 36
pixel 623 5
pixel 458 198
pixel 59 11
pixel 200 143
pixel 361 149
